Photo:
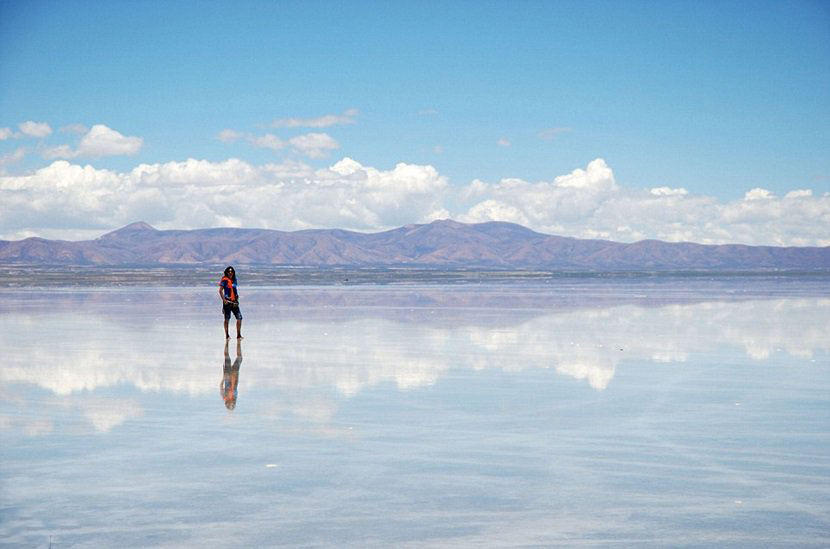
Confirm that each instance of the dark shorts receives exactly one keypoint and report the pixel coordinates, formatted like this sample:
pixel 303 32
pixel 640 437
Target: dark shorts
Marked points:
pixel 228 308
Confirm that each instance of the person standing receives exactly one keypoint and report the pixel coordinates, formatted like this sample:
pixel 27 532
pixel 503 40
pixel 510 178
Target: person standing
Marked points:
pixel 230 301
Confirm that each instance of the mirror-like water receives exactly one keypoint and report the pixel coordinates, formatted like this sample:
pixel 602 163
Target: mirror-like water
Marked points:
pixel 420 415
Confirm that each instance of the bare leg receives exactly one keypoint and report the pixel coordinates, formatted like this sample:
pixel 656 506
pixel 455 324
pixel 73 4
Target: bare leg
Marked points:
pixel 238 328
pixel 227 335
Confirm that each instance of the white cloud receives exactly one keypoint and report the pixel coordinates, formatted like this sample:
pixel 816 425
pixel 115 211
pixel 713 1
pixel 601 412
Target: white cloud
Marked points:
pixel 598 176
pixel 98 141
pixel 346 167
pixel 227 135
pixel 325 121
pixel 668 191
pixel 589 204
pixel 35 129
pixel 194 172
pixel 758 194
pixel 11 157
pixel 503 142
pixel 199 193
pixel 60 151
pixel 65 200
pixel 103 141
pixel 314 145
pixel 545 206
pixel 489 210
pixel 288 170
pixel 6 133
pixel 268 141
pixel 368 197
pixel 550 133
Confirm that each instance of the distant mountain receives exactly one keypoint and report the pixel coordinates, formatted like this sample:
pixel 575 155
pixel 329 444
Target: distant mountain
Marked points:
pixel 443 244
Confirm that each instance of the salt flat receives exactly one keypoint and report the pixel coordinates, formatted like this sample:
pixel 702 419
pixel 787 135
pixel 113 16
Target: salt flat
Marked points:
pixel 642 412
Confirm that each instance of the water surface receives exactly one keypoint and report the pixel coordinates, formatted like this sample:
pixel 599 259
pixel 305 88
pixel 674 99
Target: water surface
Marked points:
pixel 637 412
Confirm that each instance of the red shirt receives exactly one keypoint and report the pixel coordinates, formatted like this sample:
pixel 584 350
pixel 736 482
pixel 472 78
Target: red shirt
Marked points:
pixel 230 288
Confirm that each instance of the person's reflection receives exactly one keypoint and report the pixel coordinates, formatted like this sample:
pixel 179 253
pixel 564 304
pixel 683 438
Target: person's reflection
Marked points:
pixel 230 376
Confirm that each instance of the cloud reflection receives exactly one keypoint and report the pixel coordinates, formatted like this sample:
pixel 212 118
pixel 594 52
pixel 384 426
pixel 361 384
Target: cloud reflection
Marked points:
pixel 105 414
pixel 82 353
pixel 350 355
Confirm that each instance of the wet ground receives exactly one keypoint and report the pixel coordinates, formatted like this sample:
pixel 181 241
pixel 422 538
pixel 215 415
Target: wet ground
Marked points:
pixel 643 411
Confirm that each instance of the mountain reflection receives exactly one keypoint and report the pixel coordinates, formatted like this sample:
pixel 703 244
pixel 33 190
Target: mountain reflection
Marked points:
pixel 349 349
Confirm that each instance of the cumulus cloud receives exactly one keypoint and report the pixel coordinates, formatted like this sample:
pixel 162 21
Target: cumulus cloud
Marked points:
pixel 597 177
pixel 545 205
pixel 201 173
pixel 199 193
pixel 64 199
pixel 668 191
pixel 494 210
pixel 35 129
pixel 758 194
pixel 103 141
pixel 100 140
pixel 588 203
pixel 348 117
pixel 6 133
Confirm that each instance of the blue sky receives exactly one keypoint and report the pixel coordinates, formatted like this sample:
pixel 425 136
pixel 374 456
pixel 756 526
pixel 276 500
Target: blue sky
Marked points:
pixel 713 102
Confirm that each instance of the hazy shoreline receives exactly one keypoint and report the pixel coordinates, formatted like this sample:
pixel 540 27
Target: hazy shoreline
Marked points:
pixel 16 276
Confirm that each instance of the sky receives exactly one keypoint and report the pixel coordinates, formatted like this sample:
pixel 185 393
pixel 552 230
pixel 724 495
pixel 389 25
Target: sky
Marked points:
pixel 675 120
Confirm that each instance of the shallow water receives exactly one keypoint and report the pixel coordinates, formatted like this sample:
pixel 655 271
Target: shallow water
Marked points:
pixel 642 412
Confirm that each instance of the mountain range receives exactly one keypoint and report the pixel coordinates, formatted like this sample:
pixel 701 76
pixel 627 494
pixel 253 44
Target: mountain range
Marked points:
pixel 440 244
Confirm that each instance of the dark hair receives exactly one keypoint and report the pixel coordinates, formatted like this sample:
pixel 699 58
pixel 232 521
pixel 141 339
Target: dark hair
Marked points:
pixel 228 269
